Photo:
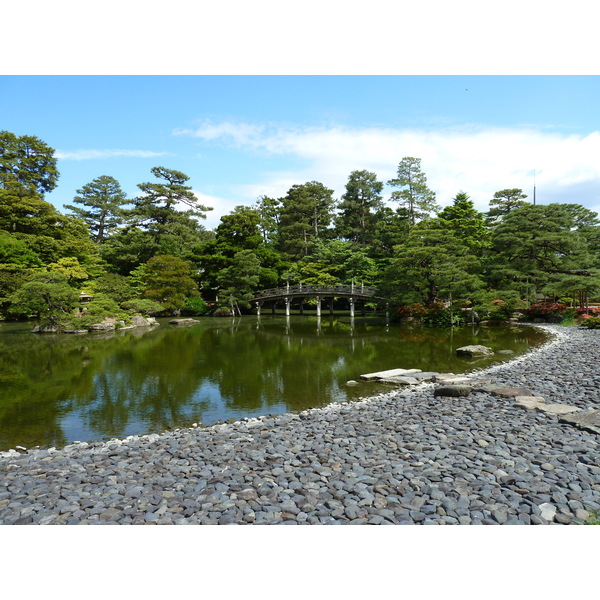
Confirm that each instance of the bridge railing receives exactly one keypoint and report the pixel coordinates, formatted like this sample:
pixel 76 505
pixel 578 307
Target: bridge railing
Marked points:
pixel 316 290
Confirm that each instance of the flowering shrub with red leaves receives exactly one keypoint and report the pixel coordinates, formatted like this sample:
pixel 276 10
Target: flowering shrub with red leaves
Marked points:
pixel 585 312
pixel 414 309
pixel 545 309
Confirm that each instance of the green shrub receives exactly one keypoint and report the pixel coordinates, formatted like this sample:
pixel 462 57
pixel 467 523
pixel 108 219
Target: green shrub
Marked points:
pixel 143 306
pixel 100 308
pixel 438 314
pixel 194 306
pixel 591 323
pixel 568 318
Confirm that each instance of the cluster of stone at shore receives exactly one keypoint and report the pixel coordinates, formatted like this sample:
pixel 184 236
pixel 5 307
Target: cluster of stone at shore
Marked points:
pixel 112 324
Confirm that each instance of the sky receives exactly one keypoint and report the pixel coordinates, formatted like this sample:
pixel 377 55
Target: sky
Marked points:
pixel 238 137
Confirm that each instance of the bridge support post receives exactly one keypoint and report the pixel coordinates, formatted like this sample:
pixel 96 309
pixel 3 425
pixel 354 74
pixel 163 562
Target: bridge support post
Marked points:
pixel 351 300
pixel 331 307
pixel 301 306
pixel 318 306
pixel 287 306
pixel 273 307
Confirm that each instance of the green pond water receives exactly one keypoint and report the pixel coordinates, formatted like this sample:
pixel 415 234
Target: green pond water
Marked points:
pixel 55 389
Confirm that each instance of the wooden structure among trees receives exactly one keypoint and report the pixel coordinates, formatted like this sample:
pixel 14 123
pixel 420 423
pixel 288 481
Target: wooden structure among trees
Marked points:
pixel 319 292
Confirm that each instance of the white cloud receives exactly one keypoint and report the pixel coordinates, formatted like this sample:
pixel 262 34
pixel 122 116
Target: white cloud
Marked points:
pixel 220 206
pixel 100 154
pixel 478 160
pixel 240 134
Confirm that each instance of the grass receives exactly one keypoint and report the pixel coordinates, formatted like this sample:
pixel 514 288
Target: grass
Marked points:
pixel 594 518
pixel 569 322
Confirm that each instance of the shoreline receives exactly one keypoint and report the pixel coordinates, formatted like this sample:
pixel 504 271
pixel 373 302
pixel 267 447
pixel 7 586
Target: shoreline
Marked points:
pixel 403 456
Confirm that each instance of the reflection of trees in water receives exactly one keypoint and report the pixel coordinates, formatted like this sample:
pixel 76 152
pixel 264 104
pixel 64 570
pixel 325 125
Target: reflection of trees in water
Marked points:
pixel 38 376
pixel 168 377
pixel 44 379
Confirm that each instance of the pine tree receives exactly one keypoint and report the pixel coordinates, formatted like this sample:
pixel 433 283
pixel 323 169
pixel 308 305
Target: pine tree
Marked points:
pixel 306 213
pixel 358 208
pixel 415 196
pixel 432 264
pixel 27 162
pixel 540 249
pixel 104 200
pixel 503 202
pixel 156 211
pixel 467 223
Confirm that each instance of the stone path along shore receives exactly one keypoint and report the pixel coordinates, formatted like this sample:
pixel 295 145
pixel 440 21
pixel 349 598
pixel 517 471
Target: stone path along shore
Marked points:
pixel 403 457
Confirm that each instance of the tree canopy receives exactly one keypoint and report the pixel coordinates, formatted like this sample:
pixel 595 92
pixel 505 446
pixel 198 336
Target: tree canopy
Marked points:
pixel 104 200
pixel 413 194
pixel 152 253
pixel 27 162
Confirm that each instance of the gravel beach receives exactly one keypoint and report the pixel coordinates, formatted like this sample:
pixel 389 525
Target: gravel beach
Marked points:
pixel 404 457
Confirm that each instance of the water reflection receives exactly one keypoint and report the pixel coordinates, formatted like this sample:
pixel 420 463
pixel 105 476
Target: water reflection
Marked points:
pixel 56 389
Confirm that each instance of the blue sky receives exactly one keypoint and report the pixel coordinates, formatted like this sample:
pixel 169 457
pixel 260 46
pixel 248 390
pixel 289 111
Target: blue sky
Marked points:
pixel 238 137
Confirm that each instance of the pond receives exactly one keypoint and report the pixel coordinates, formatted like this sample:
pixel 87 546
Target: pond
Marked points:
pixel 56 389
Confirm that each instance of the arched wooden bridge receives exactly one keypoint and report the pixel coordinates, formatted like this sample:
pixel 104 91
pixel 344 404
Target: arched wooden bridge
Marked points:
pixel 319 292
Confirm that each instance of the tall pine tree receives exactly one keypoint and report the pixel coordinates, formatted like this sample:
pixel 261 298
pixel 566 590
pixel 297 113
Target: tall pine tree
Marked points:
pixel 358 208
pixel 104 200
pixel 306 213
pixel 414 194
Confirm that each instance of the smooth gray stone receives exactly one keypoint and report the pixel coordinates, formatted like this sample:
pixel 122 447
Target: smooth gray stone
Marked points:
pixel 453 391
pixel 589 420
pixel 474 350
pixel 511 392
pixel 389 373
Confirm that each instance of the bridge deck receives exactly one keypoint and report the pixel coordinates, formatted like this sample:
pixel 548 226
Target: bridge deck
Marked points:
pixel 323 291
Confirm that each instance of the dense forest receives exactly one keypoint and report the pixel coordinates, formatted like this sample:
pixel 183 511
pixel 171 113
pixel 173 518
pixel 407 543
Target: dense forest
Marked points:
pixel 151 255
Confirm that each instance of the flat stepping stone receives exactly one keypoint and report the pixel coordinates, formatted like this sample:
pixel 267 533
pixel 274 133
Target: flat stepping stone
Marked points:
pixel 589 419
pixel 529 402
pixel 424 376
pixel 450 378
pixel 390 373
pixel 453 391
pixel 557 409
pixel 400 380
pixel 183 321
pixel 483 384
pixel 510 392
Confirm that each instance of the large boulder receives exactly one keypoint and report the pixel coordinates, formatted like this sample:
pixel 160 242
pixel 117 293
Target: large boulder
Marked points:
pixel 139 321
pixel 46 329
pixel 474 351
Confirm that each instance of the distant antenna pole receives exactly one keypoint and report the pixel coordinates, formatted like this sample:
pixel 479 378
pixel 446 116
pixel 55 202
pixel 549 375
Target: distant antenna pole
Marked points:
pixel 534 187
